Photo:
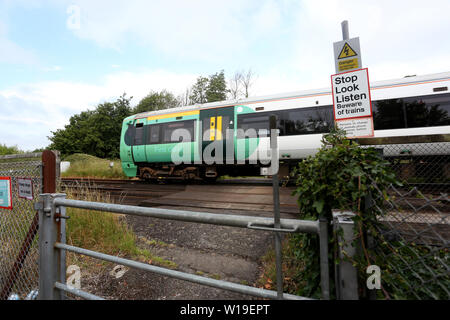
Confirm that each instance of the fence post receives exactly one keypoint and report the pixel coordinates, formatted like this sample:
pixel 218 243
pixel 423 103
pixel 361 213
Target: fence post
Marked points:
pixel 324 266
pixel 51 266
pixel 346 273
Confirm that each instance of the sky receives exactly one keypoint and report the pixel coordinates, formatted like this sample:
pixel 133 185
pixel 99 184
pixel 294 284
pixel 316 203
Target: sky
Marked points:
pixel 59 58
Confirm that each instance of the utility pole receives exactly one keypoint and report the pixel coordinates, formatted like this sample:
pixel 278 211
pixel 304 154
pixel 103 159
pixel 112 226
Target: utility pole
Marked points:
pixel 344 25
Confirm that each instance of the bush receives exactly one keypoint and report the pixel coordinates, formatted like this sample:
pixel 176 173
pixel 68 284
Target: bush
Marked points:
pixel 340 176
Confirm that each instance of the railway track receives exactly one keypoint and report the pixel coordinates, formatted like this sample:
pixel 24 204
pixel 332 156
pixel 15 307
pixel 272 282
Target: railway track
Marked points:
pixel 240 194
pixel 255 196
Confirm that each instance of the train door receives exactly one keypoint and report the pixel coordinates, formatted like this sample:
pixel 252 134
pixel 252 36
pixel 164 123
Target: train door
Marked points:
pixel 216 124
pixel 139 143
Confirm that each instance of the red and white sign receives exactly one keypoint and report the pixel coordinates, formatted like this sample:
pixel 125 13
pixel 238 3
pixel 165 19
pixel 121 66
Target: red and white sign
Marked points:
pixel 352 103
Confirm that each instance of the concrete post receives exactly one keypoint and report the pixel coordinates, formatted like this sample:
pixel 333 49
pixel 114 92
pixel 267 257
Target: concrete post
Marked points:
pixel 346 273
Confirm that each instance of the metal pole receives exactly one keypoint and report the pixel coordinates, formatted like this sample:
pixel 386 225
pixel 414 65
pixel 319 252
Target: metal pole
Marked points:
pixel 50 265
pixel 324 267
pixel 344 25
pixel 276 202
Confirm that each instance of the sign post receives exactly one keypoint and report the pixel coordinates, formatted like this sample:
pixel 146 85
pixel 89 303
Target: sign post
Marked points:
pixel 350 88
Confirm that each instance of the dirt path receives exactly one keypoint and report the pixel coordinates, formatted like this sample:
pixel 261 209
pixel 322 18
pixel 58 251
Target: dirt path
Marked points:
pixel 218 252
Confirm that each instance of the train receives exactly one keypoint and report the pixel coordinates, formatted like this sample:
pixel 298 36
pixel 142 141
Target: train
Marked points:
pixel 231 137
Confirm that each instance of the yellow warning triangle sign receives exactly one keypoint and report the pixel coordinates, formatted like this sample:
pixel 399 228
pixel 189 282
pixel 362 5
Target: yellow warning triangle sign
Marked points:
pixel 346 52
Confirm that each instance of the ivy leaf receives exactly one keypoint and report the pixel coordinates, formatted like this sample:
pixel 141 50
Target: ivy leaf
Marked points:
pixel 318 205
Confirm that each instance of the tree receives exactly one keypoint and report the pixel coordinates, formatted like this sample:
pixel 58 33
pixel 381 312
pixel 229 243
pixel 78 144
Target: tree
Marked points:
pixel 95 132
pixel 241 83
pixel 209 89
pixel 198 91
pixel 247 80
pixel 234 85
pixel 217 87
pixel 4 150
pixel 157 101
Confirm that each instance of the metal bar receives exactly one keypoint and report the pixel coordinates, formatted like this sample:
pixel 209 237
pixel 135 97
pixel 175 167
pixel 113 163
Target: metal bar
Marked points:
pixel 47 258
pixel 324 266
pixel 77 292
pixel 191 216
pixel 276 204
pixel 225 285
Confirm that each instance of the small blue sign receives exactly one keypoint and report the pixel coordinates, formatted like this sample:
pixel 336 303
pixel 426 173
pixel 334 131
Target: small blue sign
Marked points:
pixel 5 193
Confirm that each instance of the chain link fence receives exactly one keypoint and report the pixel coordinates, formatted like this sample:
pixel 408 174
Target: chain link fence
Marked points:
pixel 412 239
pixel 19 253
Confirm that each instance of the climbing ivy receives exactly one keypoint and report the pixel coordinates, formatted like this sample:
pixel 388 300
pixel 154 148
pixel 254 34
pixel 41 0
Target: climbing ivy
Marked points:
pixel 341 175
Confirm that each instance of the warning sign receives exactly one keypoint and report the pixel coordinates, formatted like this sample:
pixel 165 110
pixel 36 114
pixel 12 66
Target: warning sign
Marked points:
pixel 347 52
pixel 25 188
pixel 351 95
pixel 357 128
pixel 347 55
pixel 5 193
pixel 351 101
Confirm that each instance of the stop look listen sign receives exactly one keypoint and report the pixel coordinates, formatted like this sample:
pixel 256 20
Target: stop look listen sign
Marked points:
pixel 352 103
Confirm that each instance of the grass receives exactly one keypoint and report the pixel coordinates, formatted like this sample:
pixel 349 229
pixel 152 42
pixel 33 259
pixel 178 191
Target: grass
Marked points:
pixel 87 166
pixel 105 232
pixel 291 269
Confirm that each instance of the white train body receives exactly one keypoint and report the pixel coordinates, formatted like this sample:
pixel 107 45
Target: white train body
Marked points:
pixel 301 146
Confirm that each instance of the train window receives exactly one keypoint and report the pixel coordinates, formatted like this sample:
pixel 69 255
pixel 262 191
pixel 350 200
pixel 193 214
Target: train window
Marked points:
pixel 388 114
pixel 413 112
pixel 154 134
pixel 427 111
pixel 187 134
pixel 129 135
pixel 139 134
pixel 307 120
pixel 249 122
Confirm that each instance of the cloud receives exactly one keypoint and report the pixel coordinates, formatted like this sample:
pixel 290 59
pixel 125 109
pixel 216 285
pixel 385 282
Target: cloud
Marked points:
pixel 29 112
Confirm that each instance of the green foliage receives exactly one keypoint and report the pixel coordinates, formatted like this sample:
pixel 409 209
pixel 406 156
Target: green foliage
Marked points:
pixel 157 101
pixel 340 176
pixel 4 150
pixel 217 88
pixel 198 91
pixel 209 89
pixel 95 132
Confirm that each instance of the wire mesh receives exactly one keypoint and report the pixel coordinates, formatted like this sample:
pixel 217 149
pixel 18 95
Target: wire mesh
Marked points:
pixel 19 254
pixel 412 242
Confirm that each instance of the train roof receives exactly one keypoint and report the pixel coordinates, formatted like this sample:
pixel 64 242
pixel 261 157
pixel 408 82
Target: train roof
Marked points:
pixel 296 94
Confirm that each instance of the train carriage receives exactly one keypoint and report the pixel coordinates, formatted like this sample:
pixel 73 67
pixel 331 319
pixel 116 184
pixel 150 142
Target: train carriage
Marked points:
pixel 232 137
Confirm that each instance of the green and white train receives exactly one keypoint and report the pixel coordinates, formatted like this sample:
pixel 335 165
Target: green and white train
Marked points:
pixel 216 139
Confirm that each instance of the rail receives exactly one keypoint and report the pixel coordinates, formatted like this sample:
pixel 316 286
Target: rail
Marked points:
pixel 52 246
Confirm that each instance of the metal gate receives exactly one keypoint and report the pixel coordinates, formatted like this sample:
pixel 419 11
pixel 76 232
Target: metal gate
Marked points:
pixel 19 252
